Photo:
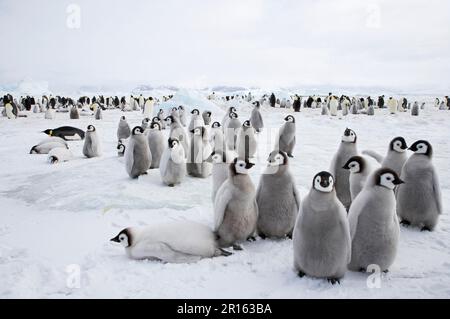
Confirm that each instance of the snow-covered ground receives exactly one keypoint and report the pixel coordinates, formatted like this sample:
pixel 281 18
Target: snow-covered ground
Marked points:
pixel 56 220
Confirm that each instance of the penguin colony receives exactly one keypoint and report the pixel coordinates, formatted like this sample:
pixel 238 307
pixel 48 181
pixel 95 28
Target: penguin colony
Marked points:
pixel 354 208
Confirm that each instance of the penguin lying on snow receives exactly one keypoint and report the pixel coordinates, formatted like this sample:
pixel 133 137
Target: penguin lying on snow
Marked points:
pixel 47 145
pixel 67 133
pixel 175 242
pixel 59 155
pixel 322 244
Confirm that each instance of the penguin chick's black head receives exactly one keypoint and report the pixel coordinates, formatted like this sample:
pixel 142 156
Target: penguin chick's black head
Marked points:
pixel 277 158
pixel 138 130
pixel 173 142
pixel 181 108
pixel 240 166
pixel 290 119
pixel 53 159
pixel 195 111
pixel 124 238
pixel 33 150
pixel 90 128
pixel 422 147
pixel 247 124
pixel 199 130
pixel 155 119
pixel 215 125
pixel 388 178
pixel 398 144
pixel 155 126
pixel 323 182
pixel 233 115
pixel 169 119
pixel 123 118
pixel 217 157
pixel 355 164
pixel 349 136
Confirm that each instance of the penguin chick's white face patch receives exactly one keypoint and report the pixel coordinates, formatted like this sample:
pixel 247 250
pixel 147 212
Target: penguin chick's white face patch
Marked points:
pixel 354 167
pixel 323 186
pixel 197 131
pixel 398 147
pixel 422 148
pixel 277 160
pixel 217 158
pixel 387 180
pixel 290 119
pixel 349 137
pixel 241 167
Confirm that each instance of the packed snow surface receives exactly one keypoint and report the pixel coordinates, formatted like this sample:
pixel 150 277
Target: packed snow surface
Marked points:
pixel 56 220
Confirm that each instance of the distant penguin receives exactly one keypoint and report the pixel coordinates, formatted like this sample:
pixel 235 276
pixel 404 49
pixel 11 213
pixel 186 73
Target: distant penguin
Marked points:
pixel 286 138
pixel 345 106
pixel 347 149
pixel 196 120
pixel 123 131
pixel 221 163
pixel 137 154
pixel 216 138
pixel 10 111
pixel 74 115
pixel 175 114
pixel 146 123
pixel 415 109
pixel 353 109
pixel 396 155
pixel 359 171
pixel 177 132
pixel 197 165
pixel 207 117
pixel 419 200
pixel 162 119
pixel 333 106
pixel 59 155
pixel 256 118
pixel 370 110
pixel 173 163
pixel 442 107
pixel 156 142
pixel 325 110
pixel 373 223
pixel 392 105
pixel 91 147
pixel 246 142
pixel 46 146
pixel 422 106
pixel 98 113
pixel 182 114
pixel 121 149
pixel 171 242
pixel 322 242
pixel 141 101
pixel 232 131
pixel 49 114
pixel 148 107
pixel 277 198
pixel 235 207
pixel 67 133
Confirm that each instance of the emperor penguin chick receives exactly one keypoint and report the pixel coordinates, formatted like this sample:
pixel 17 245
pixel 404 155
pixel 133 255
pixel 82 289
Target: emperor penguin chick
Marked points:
pixel 286 140
pixel 196 120
pixel 171 242
pixel 232 130
pixel 156 142
pixel 173 163
pixel 137 154
pixel 91 147
pixel 178 132
pixel 246 143
pixel 226 117
pixel 419 199
pixel 161 117
pixel 359 171
pixel 217 139
pixel 277 198
pixel 256 118
pixel 322 243
pixel 182 114
pixel 235 207
pixel 373 222
pixel 207 117
pixel 347 149
pixel 123 131
pixel 197 165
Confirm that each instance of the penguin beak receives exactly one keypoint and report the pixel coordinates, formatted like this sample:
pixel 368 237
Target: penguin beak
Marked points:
pixel 249 165
pixel 398 181
pixel 115 239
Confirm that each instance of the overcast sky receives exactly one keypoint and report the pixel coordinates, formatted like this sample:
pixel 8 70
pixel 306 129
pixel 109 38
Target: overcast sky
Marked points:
pixel 392 43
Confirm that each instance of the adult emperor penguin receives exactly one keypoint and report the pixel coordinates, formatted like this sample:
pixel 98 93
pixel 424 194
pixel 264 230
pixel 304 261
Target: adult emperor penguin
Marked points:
pixel 256 118
pixel 197 165
pixel 396 155
pixel 137 154
pixel 246 143
pixel 91 147
pixel 235 207
pixel 217 138
pixel 196 120
pixel 392 105
pixel 74 115
pixel 170 242
pixel 173 163
pixel 277 198
pixel 232 131
pixel 207 117
pixel 347 149
pixel 178 132
pixel 123 131
pixel 419 199
pixel 359 171
pixel 333 102
pixel 373 222
pixel 182 114
pixel 67 133
pixel 59 155
pixel 286 139
pixel 415 109
pixel 221 163
pixel 322 242
pixel 162 119
pixel 9 109
pixel 156 142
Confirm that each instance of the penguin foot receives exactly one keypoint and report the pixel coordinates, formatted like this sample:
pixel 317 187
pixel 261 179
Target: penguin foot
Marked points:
pixel 386 271
pixel 334 281
pixel 171 185
pixel 237 247
pixel 362 269
pixel 289 236
pixel 262 236
pixel 405 223
pixel 225 253
pixel 301 274
pixel 251 239
pixel 426 228
pixel 290 155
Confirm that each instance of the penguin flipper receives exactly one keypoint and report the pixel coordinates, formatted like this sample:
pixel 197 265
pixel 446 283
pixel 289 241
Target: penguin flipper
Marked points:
pixel 437 192
pixel 223 197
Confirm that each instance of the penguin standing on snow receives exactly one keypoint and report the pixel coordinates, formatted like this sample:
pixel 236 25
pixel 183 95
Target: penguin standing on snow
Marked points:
pixel 246 143
pixel 419 199
pixel 392 105
pixel 415 109
pixel 121 149
pixel 177 132
pixel 148 107
pixel 123 131
pixel 373 222
pixel 333 103
pixel 91 147
pixel 232 130
pixel 226 117
pixel 156 143
pixel 216 137
pixel 174 242
pixel 322 242
pixel 146 123
pixel 196 120
pixel 220 160
pixel 137 154
pixel 286 140
pixel 197 165
pixel 207 117
pixel 74 115
pixel 359 171
pixel 173 163
pixel 347 149
pixel 182 114
pixel 235 207
pixel 98 113
pixel 256 118
pixel 49 114
pixel 277 198
pixel 162 119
